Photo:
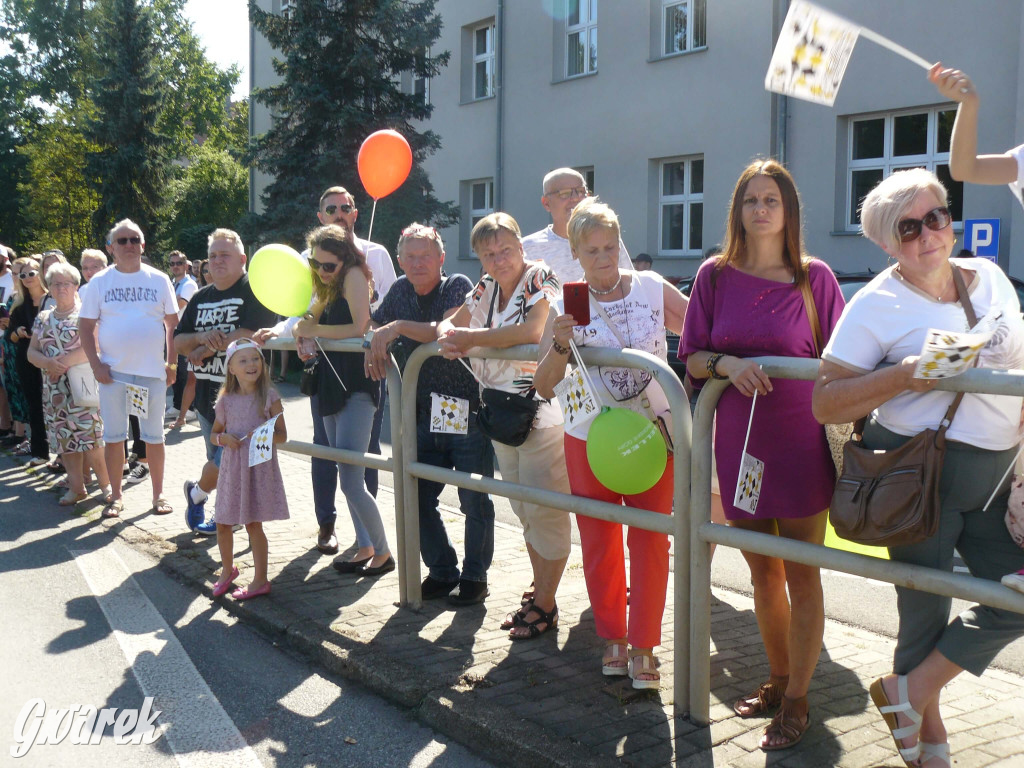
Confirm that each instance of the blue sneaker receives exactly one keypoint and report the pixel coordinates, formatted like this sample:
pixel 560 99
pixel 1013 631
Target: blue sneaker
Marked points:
pixel 195 514
pixel 207 528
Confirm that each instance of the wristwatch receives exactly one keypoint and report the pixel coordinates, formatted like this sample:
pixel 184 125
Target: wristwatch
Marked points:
pixel 367 338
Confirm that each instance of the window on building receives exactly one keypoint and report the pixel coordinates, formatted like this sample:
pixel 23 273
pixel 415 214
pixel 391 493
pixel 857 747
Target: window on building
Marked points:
pixel 481 200
pixel 483 61
pixel 681 205
pixel 683 26
pixel 587 171
pixel 413 84
pixel 881 144
pixel 581 38
pixel 288 8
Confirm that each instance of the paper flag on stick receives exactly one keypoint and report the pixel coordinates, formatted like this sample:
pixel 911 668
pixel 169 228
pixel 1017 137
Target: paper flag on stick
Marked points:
pixel 947 353
pixel 579 405
pixel 449 414
pixel 811 55
pixel 138 400
pixel 261 444
pixel 748 484
pixel 813 50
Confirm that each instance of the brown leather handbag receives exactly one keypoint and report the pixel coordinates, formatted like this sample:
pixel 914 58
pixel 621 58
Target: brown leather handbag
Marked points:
pixel 891 498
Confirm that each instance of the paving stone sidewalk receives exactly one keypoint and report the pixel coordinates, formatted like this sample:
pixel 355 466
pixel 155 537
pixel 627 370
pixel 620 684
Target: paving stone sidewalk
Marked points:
pixel 542 702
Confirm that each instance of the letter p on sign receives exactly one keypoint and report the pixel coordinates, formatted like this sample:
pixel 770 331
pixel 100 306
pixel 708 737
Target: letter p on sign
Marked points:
pixel 982 237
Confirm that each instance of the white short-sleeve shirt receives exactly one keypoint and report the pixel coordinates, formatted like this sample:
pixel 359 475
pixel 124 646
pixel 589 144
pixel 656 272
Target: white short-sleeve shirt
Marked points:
pixel 554 251
pixel 130 308
pixel 888 320
pixel 1017 187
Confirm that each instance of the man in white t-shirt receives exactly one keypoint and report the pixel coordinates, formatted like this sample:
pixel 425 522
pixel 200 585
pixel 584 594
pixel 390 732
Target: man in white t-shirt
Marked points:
pixel 185 288
pixel 127 324
pixel 562 189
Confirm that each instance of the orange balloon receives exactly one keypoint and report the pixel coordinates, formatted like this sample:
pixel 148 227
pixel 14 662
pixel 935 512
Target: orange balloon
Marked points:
pixel 385 160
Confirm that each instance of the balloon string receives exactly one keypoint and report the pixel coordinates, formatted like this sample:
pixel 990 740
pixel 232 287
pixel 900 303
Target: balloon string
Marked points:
pixel 372 212
pixel 330 364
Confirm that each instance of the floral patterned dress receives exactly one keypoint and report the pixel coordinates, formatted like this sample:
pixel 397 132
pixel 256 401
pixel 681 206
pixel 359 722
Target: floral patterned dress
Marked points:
pixel 70 428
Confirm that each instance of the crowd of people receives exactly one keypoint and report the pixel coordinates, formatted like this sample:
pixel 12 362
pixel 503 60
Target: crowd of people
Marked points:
pixel 83 362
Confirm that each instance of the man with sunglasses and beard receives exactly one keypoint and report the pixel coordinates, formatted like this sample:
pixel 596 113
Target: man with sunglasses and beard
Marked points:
pixel 219 313
pixel 337 206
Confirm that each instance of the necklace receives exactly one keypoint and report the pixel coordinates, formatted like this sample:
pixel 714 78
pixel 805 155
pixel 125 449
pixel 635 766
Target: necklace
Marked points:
pixel 614 288
pixel 938 296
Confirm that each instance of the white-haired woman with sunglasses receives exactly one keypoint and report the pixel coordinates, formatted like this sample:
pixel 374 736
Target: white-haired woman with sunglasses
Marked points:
pixel 906 215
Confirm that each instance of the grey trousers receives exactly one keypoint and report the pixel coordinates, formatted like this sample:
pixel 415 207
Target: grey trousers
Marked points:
pixel 974 637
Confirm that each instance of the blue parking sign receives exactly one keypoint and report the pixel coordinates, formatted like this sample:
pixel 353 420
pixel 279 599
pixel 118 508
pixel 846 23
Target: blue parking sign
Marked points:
pixel 982 237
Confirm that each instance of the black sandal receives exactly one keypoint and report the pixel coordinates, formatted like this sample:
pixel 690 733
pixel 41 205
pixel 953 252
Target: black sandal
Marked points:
pixel 548 618
pixel 513 617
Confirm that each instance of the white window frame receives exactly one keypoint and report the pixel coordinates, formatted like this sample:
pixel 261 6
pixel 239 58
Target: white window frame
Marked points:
pixel 888 163
pixel 475 214
pixel 690 8
pixel 586 28
pixel 486 58
pixel 687 199
pixel 287 6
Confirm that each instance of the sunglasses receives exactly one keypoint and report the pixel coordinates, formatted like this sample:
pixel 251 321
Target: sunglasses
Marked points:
pixel 936 220
pixel 134 240
pixel 177 263
pixel 346 208
pixel 327 267
pixel 565 194
pixel 26 275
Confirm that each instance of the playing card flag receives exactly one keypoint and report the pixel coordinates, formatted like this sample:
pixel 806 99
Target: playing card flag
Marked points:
pixel 813 50
pixel 138 400
pixel 449 414
pixel 576 394
pixel 261 443
pixel 748 485
pixel 948 353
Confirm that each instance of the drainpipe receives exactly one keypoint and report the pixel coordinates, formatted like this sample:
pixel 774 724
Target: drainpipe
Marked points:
pixel 499 94
pixel 780 103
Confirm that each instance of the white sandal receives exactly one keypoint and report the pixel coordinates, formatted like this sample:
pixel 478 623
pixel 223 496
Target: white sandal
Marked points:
pixel 940 751
pixel 889 712
pixel 642 663
pixel 615 651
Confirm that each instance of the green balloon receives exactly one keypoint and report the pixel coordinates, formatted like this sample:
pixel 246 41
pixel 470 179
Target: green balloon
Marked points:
pixel 627 453
pixel 281 280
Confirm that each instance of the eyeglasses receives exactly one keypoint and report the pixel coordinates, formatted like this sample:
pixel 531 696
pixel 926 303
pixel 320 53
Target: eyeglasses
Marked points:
pixel 328 266
pixel 177 263
pixel 565 194
pixel 26 275
pixel 346 208
pixel 63 285
pixel 936 220
pixel 134 240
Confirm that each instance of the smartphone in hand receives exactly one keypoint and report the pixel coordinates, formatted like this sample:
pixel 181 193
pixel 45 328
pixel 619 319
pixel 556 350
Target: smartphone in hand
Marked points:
pixel 576 298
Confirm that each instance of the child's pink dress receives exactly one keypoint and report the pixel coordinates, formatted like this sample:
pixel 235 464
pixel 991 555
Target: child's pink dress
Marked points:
pixel 247 494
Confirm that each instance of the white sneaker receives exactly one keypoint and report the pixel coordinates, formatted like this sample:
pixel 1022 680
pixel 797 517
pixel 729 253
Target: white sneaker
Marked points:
pixel 171 413
pixel 192 415
pixel 1014 580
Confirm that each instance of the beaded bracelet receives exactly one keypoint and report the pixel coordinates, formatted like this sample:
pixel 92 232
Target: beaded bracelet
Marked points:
pixel 712 366
pixel 559 348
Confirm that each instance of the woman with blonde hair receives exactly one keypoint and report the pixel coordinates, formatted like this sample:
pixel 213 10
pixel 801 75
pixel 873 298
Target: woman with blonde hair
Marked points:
pixel 764 296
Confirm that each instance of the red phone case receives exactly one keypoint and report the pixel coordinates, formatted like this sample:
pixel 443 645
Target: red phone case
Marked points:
pixel 576 298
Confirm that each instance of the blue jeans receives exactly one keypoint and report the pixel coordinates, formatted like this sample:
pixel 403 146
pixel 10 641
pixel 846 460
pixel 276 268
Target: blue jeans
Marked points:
pixel 471 452
pixel 378 423
pixel 324 473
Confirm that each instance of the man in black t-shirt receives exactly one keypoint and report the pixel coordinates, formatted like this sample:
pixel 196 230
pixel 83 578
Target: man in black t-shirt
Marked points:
pixel 219 313
pixel 406 318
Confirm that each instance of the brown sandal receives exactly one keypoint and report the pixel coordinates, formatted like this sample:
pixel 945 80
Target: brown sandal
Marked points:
pixel 767 697
pixel 512 617
pixel 790 722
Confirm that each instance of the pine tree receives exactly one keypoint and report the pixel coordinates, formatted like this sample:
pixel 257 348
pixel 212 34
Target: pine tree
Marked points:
pixel 130 170
pixel 341 65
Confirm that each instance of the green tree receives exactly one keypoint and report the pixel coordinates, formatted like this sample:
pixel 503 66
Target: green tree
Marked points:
pixel 212 191
pixel 340 67
pixel 130 169
pixel 58 200
pixel 13 164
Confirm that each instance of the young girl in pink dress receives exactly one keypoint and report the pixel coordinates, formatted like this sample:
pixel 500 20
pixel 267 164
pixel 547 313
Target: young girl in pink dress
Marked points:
pixel 246 495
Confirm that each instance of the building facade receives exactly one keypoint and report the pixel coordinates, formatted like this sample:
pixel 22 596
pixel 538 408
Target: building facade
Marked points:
pixel 661 103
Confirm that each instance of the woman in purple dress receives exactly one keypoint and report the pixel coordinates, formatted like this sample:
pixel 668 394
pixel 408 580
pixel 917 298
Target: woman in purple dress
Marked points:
pixel 749 302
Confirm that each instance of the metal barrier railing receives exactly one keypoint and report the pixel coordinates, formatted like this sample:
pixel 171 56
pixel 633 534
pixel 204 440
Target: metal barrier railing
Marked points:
pixel 677 526
pixel 705 533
